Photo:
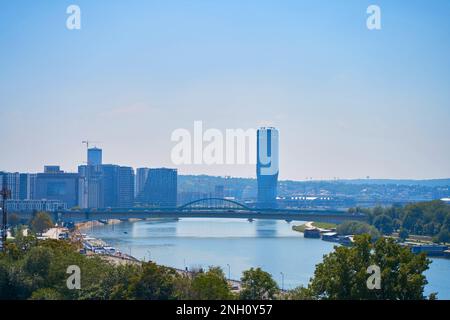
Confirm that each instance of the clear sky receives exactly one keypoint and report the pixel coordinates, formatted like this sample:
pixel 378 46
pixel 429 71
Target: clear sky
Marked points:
pixel 348 102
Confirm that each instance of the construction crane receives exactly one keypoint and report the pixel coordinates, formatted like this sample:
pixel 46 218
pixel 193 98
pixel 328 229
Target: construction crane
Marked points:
pixel 87 143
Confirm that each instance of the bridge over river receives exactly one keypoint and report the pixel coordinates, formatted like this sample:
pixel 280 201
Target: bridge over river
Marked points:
pixel 206 208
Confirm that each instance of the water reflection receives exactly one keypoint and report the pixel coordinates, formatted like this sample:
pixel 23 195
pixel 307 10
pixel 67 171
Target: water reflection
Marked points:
pixel 266 228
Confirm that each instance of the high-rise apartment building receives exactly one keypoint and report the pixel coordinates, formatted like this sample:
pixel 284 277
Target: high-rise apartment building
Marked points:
pixel 107 185
pixel 11 180
pixel 125 193
pixel 27 186
pixel 141 178
pixel 161 188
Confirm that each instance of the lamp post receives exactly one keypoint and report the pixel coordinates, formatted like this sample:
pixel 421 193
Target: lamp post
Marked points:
pixel 6 194
pixel 229 271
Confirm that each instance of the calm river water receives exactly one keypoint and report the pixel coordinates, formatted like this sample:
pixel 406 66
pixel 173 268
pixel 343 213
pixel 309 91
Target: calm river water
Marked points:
pixel 237 245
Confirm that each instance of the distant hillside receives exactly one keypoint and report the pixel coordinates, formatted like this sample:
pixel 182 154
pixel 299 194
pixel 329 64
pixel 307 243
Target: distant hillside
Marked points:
pixel 406 182
pixel 205 185
pixel 427 183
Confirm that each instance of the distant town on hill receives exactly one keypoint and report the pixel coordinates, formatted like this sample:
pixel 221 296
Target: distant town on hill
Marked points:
pixel 313 193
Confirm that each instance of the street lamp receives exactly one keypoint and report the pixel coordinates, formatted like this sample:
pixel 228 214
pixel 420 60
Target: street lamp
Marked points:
pixel 149 256
pixel 6 194
pixel 282 281
pixel 229 271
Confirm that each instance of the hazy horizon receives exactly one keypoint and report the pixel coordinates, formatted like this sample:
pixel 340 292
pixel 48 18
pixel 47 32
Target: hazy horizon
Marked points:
pixel 348 102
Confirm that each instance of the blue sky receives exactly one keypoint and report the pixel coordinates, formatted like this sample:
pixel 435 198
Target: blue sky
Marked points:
pixel 348 102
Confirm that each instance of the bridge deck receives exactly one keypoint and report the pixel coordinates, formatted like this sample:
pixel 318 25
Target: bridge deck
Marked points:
pixel 313 215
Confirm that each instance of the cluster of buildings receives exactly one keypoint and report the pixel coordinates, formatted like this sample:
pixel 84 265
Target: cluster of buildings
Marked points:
pixel 97 185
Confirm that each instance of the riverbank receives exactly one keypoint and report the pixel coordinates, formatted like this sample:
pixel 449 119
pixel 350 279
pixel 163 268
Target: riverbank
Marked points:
pixel 98 247
pixel 94 223
pixel 417 244
pixel 321 226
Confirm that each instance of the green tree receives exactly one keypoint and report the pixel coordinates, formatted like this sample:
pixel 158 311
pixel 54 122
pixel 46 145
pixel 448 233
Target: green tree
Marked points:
pixel 257 285
pixel 356 228
pixel 384 224
pixel 13 219
pixel 153 283
pixel 443 237
pixel 299 293
pixel 37 262
pixel 41 222
pixel 211 285
pixel 403 234
pixel 46 294
pixel 343 272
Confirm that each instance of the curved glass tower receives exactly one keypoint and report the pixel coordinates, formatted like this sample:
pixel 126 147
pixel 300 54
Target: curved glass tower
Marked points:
pixel 267 166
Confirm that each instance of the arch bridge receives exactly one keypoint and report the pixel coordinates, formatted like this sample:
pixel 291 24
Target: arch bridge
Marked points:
pixel 213 204
pixel 205 208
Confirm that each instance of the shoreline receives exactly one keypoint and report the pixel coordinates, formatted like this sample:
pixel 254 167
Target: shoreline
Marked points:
pixel 120 258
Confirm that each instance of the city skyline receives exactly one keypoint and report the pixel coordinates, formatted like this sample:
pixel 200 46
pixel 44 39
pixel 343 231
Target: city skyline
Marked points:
pixel 349 102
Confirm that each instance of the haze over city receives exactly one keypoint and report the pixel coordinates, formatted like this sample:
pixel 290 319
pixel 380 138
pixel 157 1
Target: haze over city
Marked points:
pixel 345 102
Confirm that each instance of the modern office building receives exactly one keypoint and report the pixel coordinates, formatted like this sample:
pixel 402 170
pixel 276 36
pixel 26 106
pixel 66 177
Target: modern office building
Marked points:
pixel 106 186
pixel 23 186
pixel 92 195
pixel 27 186
pixel 267 167
pixel 94 156
pixel 11 180
pixel 125 193
pixel 109 181
pixel 58 186
pixel 141 178
pixel 160 189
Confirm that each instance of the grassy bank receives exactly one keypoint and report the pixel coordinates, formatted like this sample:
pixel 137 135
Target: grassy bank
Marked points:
pixel 320 225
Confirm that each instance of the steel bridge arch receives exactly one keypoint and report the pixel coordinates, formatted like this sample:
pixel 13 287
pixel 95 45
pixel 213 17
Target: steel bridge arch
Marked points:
pixel 206 200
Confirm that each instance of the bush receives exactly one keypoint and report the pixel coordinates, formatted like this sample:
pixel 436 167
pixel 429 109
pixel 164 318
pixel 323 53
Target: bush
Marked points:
pixel 357 228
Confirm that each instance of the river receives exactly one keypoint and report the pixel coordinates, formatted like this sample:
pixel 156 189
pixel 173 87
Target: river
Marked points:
pixel 237 245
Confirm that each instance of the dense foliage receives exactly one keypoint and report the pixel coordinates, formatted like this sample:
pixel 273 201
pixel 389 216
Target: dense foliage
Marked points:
pixel 343 273
pixel 357 228
pixel 37 269
pixel 423 218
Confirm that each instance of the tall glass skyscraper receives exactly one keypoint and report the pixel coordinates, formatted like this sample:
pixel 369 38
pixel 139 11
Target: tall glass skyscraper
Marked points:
pixel 267 166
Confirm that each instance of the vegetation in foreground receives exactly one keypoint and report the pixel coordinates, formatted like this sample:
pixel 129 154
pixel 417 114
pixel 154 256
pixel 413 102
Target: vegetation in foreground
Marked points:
pixel 36 269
